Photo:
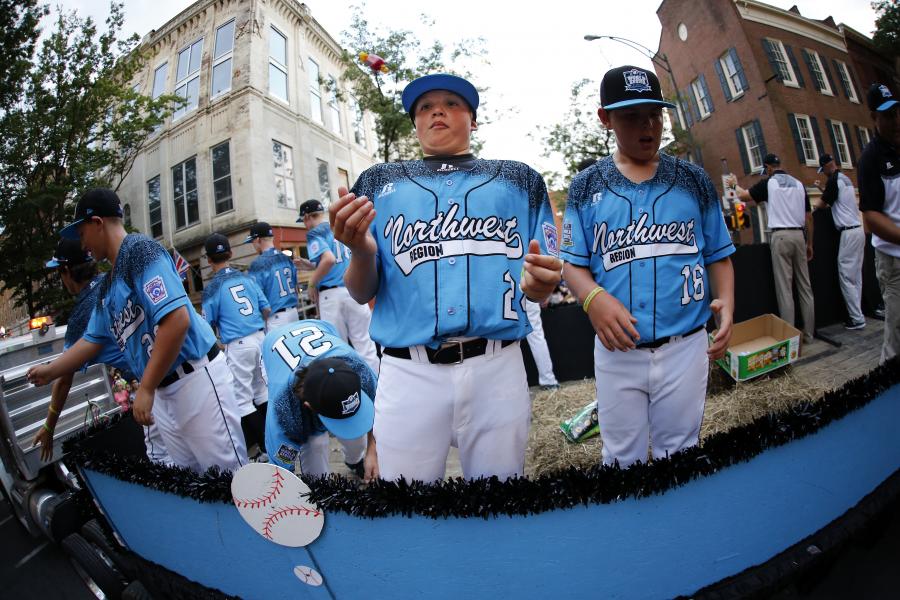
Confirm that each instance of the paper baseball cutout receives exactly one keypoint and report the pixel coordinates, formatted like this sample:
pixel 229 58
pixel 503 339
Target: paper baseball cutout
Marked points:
pixel 274 502
pixel 308 575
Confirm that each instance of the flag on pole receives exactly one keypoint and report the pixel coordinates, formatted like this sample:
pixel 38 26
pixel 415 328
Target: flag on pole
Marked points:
pixel 181 265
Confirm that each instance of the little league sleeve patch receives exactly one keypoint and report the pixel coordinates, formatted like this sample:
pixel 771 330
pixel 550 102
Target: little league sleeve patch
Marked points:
pixel 551 241
pixel 567 235
pixel 287 453
pixel 314 247
pixel 155 290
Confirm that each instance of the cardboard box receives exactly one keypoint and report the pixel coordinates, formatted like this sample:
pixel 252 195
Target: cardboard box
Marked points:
pixel 758 346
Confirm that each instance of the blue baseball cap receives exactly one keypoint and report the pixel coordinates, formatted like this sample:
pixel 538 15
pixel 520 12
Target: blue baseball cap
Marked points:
pixel 629 86
pixel 880 98
pixel 96 202
pixel 439 81
pixel 259 230
pixel 334 391
pixel 68 253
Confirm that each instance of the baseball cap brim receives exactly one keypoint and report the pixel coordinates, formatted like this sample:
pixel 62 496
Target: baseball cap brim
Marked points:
pixel 625 103
pixel 439 81
pixel 70 231
pixel 249 239
pixel 887 105
pixel 355 426
pixel 52 263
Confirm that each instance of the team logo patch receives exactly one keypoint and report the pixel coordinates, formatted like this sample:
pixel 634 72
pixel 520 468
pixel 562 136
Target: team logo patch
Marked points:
pixel 567 235
pixel 445 168
pixel 885 92
pixel 551 241
pixel 287 453
pixel 387 190
pixel 314 247
pixel 350 405
pixel 636 81
pixel 642 239
pixel 155 290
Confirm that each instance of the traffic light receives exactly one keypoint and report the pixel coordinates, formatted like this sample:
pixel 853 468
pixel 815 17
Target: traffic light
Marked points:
pixel 739 216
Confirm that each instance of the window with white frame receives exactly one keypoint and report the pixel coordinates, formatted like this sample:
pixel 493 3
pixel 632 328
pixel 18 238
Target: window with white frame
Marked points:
pixel 752 146
pixel 324 182
pixel 221 177
pixel 844 74
pixel 818 71
pixel 184 193
pixel 732 78
pixel 222 54
pixel 187 79
pixel 155 208
pixel 315 92
pixel 704 103
pixel 283 164
pixel 159 84
pixel 359 125
pixel 278 78
pixel 785 69
pixel 344 178
pixel 334 111
pixel 865 136
pixel 807 140
pixel 840 145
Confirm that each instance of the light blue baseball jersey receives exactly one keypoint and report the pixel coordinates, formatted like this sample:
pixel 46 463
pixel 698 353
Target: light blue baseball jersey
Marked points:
pixel 319 240
pixel 451 246
pixel 276 276
pixel 142 288
pixel 287 351
pixel 232 304
pixel 648 244
pixel 85 302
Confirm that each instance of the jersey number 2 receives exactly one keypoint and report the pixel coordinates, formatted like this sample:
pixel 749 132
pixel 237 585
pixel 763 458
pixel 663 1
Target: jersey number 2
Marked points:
pixel 309 343
pixel 693 280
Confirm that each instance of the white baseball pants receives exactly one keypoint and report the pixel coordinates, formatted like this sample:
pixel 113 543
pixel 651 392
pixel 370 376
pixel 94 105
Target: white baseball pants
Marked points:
pixel 156 447
pixel 538 345
pixel 850 259
pixel 480 406
pixel 650 398
pixel 199 420
pixel 245 360
pixel 351 320
pixel 277 319
pixel 314 453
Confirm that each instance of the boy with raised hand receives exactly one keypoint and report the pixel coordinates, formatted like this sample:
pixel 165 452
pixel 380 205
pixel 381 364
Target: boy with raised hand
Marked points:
pixel 643 237
pixel 186 385
pixel 236 308
pixel 275 274
pixel 442 244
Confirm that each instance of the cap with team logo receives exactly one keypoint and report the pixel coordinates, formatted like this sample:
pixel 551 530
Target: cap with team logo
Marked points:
pixel 309 207
pixel 629 86
pixel 68 253
pixel 770 159
pixel 96 202
pixel 333 390
pixel 439 81
pixel 259 230
pixel 216 244
pixel 824 160
pixel 880 98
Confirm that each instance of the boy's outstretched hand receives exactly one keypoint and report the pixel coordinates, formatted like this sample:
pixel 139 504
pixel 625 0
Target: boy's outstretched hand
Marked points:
pixel 350 218
pixel 541 273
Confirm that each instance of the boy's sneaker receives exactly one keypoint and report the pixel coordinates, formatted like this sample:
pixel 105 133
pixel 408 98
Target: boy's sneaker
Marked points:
pixel 852 325
pixel 358 469
pixel 879 311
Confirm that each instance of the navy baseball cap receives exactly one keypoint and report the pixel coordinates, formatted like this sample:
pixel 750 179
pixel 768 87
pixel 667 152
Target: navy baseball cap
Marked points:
pixel 439 81
pixel 333 390
pixel 770 159
pixel 259 230
pixel 309 207
pixel 216 244
pixel 880 98
pixel 824 160
pixel 68 253
pixel 96 202
pixel 629 86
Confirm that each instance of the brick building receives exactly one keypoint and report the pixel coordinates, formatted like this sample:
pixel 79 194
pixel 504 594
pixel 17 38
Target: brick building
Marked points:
pixel 752 78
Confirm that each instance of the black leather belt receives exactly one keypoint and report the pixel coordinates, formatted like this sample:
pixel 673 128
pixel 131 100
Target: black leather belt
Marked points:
pixel 785 229
pixel 187 368
pixel 846 228
pixel 665 340
pixel 449 353
pixel 328 287
pixel 284 309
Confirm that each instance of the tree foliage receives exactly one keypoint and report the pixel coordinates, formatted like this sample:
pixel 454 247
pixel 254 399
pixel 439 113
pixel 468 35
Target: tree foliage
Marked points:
pixel 407 58
pixel 77 122
pixel 18 33
pixel 887 27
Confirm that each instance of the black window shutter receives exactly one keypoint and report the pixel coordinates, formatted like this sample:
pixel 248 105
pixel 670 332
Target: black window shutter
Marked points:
pixel 740 68
pixel 685 108
pixel 849 143
pixel 859 138
pixel 725 89
pixel 692 99
pixel 767 48
pixel 759 136
pixel 828 75
pixel 793 59
pixel 792 121
pixel 709 102
pixel 834 152
pixel 818 135
pixel 745 160
pixel 812 74
pixel 837 69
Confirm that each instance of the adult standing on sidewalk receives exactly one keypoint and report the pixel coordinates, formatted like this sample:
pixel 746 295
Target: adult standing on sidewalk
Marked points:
pixel 879 199
pixel 791 247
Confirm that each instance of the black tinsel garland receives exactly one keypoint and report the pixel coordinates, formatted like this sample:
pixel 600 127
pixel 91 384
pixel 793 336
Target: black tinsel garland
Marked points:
pixel 518 496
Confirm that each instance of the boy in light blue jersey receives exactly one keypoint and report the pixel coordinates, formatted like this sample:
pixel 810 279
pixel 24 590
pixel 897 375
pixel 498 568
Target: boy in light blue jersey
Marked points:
pixel 276 276
pixel 186 386
pixel 236 308
pixel 317 383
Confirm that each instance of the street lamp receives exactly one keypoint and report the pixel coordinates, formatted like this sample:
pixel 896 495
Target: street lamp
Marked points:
pixel 655 57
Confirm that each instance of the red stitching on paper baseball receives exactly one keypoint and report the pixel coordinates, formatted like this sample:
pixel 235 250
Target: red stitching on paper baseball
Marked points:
pixel 277 484
pixel 285 511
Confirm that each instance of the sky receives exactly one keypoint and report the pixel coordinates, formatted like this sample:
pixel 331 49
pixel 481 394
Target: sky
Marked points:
pixel 536 50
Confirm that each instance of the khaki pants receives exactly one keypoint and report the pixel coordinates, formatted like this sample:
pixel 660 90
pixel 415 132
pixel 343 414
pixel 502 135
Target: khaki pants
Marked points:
pixel 789 264
pixel 888 269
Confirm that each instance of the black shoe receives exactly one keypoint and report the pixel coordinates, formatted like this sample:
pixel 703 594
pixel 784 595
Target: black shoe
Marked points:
pixel 852 325
pixel 358 469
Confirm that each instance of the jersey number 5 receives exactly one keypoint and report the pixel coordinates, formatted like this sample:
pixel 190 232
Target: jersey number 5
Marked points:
pixel 244 302
pixel 692 287
pixel 309 343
